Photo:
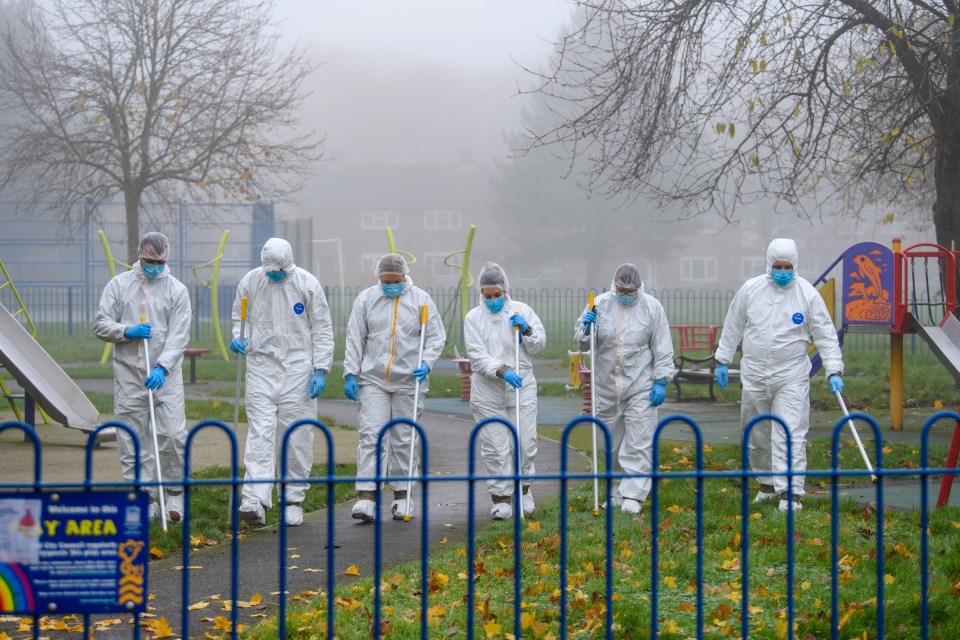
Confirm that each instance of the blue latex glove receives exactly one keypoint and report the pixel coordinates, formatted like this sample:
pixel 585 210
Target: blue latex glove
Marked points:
pixel 318 383
pixel 518 321
pixel 659 393
pixel 239 345
pixel 512 378
pixel 722 375
pixel 421 372
pixel 350 386
pixel 836 384
pixel 156 378
pixel 141 330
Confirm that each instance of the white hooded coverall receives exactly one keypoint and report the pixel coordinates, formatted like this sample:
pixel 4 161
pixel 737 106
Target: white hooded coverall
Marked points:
pixel 289 334
pixel 490 339
pixel 633 350
pixel 166 304
pixel 383 342
pixel 777 325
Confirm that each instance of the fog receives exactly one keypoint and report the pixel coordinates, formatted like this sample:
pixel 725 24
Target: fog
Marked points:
pixel 422 109
pixel 415 97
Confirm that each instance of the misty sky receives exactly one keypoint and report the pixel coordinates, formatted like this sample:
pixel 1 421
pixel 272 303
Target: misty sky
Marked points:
pixel 477 34
pixel 418 81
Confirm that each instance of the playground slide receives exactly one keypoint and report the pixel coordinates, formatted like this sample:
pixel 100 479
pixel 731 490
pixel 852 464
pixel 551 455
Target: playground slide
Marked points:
pixel 40 376
pixel 945 342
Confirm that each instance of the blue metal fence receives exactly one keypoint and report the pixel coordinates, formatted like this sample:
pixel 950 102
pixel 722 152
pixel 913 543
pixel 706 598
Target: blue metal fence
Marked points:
pixel 564 476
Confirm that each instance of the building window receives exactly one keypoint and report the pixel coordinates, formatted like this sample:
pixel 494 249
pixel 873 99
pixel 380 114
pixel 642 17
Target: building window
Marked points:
pixel 368 262
pixel 379 219
pixel 750 267
pixel 698 269
pixel 441 219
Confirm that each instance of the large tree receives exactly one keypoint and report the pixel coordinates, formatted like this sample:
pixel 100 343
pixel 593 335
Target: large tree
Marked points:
pixel 714 103
pixel 173 99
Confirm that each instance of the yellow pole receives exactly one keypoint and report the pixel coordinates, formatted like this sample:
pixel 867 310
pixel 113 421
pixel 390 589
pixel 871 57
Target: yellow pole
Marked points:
pixel 112 268
pixel 214 304
pixel 896 367
pixel 465 275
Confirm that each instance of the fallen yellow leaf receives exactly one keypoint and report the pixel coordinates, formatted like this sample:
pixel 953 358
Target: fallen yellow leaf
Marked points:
pixel 352 570
pixel 198 606
pixel 492 629
pixel 156 553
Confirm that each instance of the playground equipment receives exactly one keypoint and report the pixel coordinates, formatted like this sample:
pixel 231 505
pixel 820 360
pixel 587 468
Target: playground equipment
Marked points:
pixel 903 291
pixel 466 279
pixel 44 381
pixel 213 285
pixel 22 311
pixel 112 270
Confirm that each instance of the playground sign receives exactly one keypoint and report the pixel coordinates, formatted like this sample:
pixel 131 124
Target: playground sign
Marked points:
pixel 74 552
pixel 868 284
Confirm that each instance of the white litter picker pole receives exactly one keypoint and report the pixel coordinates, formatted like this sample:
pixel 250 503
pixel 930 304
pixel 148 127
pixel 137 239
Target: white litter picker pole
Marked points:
pixel 236 400
pixel 416 405
pixel 856 437
pixel 593 405
pixel 153 432
pixel 516 399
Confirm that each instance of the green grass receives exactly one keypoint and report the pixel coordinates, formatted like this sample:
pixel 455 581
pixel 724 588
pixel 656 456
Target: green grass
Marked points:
pixel 209 508
pixel 539 550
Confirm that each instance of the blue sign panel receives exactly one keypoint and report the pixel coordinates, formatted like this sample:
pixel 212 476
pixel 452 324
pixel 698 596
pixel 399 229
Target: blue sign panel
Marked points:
pixel 74 552
pixel 868 287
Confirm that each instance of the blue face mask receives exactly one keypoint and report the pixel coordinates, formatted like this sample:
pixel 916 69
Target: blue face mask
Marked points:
pixel 276 276
pixel 496 304
pixel 152 270
pixel 392 290
pixel 782 276
pixel 626 299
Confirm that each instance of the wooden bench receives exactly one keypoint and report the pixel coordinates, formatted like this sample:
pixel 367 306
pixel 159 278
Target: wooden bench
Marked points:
pixel 193 354
pixel 692 365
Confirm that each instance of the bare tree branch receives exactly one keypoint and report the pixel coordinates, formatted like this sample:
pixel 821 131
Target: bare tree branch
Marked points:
pixel 171 99
pixel 714 103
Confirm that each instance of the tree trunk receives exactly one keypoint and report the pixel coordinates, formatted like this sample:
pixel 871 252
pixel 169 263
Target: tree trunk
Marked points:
pixel 131 203
pixel 946 210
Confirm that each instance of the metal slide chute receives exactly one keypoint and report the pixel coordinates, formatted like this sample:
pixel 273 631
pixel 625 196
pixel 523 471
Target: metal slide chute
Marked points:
pixel 41 377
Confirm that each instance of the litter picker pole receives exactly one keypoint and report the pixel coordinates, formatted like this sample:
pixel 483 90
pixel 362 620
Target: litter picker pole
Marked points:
pixel 416 401
pixel 593 405
pixel 236 400
pixel 856 437
pixel 153 433
pixel 516 399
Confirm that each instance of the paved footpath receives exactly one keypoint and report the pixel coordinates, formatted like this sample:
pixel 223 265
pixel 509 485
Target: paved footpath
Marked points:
pixel 448 437
pixel 306 551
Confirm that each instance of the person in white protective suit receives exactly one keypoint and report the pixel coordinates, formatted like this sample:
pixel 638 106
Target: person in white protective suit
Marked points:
pixel 631 368
pixel 381 369
pixel 491 332
pixel 777 315
pixel 289 349
pixel 148 290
